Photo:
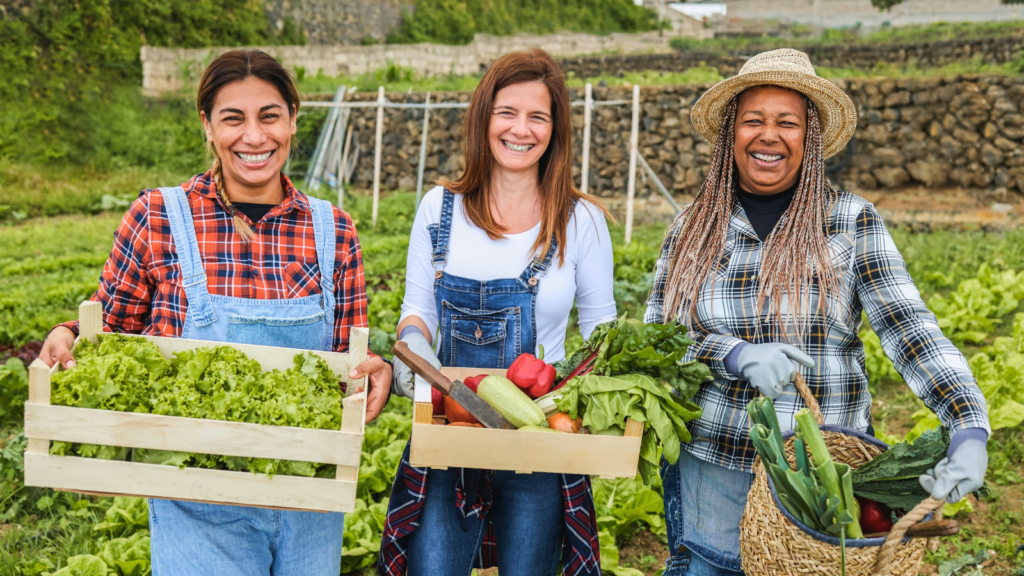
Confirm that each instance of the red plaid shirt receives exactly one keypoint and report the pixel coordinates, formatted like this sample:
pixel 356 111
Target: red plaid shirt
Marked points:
pixel 140 287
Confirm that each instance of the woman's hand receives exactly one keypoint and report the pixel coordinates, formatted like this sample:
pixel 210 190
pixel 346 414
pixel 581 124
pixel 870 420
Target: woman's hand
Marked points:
pixel 771 367
pixel 379 372
pixel 57 348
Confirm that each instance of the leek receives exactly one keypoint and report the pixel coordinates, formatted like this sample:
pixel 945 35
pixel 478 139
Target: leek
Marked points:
pixel 834 477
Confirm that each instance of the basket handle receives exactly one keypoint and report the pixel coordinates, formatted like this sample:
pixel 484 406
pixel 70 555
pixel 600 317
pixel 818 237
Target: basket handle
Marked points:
pixel 895 538
pixel 809 399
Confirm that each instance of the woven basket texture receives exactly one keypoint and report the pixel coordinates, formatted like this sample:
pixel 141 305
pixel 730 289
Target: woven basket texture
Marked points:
pixel 771 545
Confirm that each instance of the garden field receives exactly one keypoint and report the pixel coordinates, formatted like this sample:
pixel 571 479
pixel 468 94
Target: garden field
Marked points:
pixel 974 281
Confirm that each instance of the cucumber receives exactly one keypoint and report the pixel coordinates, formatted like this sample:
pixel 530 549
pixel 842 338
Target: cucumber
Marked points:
pixel 511 402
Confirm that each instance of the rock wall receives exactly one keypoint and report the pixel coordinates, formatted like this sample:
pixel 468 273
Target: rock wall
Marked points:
pixel 860 56
pixel 338 21
pixel 836 13
pixel 966 131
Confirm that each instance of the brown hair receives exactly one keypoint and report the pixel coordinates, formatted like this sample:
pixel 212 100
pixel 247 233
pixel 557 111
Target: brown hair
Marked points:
pixel 557 191
pixel 796 254
pixel 236 66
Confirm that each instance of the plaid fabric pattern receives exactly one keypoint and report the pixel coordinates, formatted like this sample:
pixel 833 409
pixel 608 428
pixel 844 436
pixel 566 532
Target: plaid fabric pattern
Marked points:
pixel 581 551
pixel 140 287
pixel 874 280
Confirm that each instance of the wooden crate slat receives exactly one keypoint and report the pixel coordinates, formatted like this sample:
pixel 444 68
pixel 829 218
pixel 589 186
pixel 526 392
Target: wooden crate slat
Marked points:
pixel 109 428
pixel 221 486
pixel 517 450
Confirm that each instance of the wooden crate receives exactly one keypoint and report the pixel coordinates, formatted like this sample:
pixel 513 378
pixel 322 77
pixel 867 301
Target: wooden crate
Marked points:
pixel 438 446
pixel 45 423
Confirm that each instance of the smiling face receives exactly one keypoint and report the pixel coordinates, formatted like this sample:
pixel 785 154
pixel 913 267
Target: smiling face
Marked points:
pixel 520 128
pixel 771 123
pixel 251 128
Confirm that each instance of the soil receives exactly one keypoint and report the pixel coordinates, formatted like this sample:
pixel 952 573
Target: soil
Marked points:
pixel 645 552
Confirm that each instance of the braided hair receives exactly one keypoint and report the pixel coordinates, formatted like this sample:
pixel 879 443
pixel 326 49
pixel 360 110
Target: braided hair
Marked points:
pixel 236 66
pixel 796 256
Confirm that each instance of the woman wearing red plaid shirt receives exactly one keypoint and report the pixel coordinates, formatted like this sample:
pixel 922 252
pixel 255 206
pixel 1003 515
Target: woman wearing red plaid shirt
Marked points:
pixel 238 255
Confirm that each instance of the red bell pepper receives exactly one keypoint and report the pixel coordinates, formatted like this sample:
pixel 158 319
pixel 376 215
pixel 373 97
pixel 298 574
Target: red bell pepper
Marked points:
pixel 437 399
pixel 532 374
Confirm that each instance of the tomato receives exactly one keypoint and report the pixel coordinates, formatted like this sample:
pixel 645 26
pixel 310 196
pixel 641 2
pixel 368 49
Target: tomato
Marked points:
pixel 437 399
pixel 874 517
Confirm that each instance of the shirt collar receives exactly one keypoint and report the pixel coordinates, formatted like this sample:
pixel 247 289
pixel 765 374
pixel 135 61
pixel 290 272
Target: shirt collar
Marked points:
pixel 203 185
pixel 740 222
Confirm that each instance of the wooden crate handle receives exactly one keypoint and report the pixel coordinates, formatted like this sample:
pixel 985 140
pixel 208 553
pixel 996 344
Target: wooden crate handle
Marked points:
pixel 90 320
pixel 39 393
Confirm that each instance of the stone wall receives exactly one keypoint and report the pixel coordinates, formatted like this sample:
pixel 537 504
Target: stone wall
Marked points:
pixel 965 132
pixel 861 56
pixel 338 21
pixel 836 13
pixel 174 69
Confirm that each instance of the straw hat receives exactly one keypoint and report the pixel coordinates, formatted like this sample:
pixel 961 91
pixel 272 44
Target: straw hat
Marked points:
pixel 788 68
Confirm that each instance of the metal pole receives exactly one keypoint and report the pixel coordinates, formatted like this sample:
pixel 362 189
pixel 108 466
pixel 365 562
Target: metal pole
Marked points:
pixel 423 151
pixel 376 152
pixel 343 169
pixel 633 140
pixel 588 106
pixel 657 183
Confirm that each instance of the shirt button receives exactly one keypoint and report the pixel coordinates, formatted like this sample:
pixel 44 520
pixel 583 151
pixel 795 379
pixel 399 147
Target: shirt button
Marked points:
pixel 255 272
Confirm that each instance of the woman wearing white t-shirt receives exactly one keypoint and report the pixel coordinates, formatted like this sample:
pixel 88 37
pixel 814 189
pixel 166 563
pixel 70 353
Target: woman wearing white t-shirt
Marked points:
pixel 496 260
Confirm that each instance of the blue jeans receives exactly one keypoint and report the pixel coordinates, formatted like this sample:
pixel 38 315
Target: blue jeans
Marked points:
pixel 527 514
pixel 190 538
pixel 703 506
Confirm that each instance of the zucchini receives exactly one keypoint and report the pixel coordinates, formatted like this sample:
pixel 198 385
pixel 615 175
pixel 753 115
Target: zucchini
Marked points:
pixel 511 402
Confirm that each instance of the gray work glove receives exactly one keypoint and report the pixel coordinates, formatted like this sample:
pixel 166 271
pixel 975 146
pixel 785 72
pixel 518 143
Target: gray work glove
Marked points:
pixel 959 474
pixel 770 367
pixel 403 382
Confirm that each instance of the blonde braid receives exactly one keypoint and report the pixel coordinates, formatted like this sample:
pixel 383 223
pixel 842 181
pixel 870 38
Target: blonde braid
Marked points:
pixel 796 255
pixel 241 226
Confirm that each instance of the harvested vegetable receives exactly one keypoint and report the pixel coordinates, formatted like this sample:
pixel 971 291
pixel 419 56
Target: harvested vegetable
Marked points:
pixel 874 516
pixel 128 374
pixel 473 381
pixel 510 402
pixel 892 477
pixel 456 413
pixel 532 374
pixel 540 429
pixel 609 401
pixel 628 346
pixel 564 423
pixel 836 478
pixel 437 400
pixel 609 431
pixel 466 424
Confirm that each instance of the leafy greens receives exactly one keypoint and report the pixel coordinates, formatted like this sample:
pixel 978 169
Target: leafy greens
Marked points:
pixel 129 374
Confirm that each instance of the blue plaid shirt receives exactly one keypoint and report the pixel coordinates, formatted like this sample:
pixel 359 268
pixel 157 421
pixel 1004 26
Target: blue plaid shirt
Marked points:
pixel 874 279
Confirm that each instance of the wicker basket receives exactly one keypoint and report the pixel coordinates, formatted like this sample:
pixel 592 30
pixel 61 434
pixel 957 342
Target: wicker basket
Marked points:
pixel 774 543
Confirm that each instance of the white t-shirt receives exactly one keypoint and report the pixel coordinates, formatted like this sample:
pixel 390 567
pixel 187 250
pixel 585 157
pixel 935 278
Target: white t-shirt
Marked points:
pixel 586 276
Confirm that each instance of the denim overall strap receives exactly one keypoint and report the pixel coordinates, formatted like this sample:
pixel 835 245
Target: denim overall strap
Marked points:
pixel 326 249
pixel 439 257
pixel 539 266
pixel 190 260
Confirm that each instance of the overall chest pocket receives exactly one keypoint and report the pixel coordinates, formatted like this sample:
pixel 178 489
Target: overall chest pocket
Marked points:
pixel 480 338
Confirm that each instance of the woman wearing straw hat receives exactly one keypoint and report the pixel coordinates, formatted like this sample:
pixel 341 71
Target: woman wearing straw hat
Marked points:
pixel 771 269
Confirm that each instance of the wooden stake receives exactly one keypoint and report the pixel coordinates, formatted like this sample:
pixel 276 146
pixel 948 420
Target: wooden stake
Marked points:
pixel 634 135
pixel 376 153
pixel 423 151
pixel 588 107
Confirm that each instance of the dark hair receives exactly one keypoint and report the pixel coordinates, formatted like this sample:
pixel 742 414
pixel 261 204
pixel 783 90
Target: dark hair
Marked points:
pixel 236 66
pixel 557 191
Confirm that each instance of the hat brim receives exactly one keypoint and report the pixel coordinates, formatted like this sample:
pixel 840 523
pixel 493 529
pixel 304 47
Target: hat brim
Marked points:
pixel 836 111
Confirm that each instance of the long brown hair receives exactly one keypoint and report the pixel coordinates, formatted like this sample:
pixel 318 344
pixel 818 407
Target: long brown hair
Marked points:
pixel 557 191
pixel 795 254
pixel 236 66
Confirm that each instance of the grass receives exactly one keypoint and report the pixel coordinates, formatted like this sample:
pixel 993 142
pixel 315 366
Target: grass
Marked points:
pixel 802 36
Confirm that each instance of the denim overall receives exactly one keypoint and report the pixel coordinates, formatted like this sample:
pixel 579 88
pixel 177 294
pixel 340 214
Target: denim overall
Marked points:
pixel 487 325
pixel 191 538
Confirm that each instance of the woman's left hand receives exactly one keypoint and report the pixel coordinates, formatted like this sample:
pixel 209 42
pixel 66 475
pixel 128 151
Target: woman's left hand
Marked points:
pixel 379 372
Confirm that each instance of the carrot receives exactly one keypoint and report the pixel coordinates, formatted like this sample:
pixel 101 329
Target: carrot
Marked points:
pixel 562 422
pixel 466 424
pixel 456 413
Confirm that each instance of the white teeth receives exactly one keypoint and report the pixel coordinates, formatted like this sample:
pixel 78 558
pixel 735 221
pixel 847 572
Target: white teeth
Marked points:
pixel 254 159
pixel 767 157
pixel 517 147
